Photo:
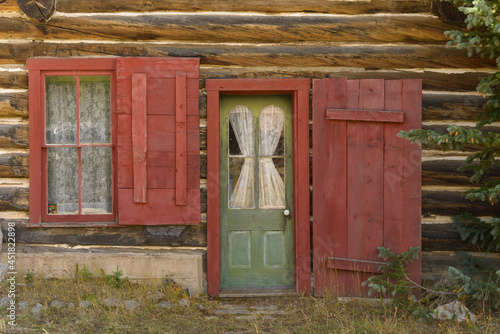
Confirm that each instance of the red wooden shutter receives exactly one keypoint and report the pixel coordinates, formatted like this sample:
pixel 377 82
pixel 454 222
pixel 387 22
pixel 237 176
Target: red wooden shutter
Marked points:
pixel 366 180
pixel 158 141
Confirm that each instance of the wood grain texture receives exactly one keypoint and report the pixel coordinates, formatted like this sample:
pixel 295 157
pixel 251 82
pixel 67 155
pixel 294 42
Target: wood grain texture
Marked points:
pixel 365 115
pixel 13 79
pixel 310 6
pixel 180 139
pixel 139 136
pixel 40 10
pixel 443 172
pixel 14 104
pixel 450 203
pixel 234 28
pixel 465 81
pixel 444 237
pixel 14 199
pixel 374 56
pixel 14 165
pixel 13 135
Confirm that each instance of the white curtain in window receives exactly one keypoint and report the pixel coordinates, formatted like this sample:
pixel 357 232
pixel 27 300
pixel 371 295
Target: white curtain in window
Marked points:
pixel 241 120
pixel 271 185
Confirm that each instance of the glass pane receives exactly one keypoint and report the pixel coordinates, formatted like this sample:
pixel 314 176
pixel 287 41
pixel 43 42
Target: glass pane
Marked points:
pixel 241 183
pixel 271 183
pixel 96 180
pixel 271 124
pixel 60 106
pixel 241 131
pixel 62 179
pixel 234 148
pixel 95 109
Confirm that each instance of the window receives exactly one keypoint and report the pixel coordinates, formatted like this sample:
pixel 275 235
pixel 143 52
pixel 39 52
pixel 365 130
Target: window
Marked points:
pixel 114 141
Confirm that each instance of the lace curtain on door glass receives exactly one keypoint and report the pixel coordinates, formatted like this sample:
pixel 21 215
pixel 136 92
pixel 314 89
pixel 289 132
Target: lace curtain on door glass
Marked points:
pixel 62 162
pixel 271 184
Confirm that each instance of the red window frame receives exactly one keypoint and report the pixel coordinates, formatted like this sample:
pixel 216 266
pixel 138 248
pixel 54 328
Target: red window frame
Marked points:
pixel 38 70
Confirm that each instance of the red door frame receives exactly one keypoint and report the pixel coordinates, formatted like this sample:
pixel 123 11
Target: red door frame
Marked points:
pixel 299 89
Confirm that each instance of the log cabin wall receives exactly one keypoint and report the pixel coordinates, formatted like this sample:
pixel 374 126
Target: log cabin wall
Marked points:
pixel 249 39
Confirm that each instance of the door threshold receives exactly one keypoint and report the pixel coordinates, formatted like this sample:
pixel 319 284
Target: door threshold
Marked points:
pixel 238 293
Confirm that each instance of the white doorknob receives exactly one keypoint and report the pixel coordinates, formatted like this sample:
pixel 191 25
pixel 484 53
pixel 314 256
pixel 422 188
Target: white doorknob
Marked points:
pixel 286 212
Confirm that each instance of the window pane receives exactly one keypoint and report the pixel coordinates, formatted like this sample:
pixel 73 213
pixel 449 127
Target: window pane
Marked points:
pixel 62 179
pixel 96 180
pixel 272 125
pixel 60 104
pixel 241 183
pixel 95 109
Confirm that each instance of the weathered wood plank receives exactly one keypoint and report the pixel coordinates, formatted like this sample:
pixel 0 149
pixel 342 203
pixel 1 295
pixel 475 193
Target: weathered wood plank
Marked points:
pixel 14 104
pixel 435 264
pixel 277 6
pixel 139 136
pixel 233 28
pixel 302 55
pixel 13 79
pixel 9 6
pixel 173 236
pixel 14 135
pixel 450 203
pixel 443 237
pixel 14 199
pixel 444 172
pixel 451 107
pixel 13 165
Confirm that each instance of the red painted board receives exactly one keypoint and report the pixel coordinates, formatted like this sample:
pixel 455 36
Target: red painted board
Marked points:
pixel 180 140
pixel 365 115
pixel 158 177
pixel 393 173
pixel 354 265
pixel 36 140
pixel 160 208
pixel 329 183
pixel 412 106
pixel 139 136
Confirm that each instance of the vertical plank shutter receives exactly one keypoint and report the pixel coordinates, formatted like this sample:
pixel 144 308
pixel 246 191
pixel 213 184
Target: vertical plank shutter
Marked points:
pixel 139 136
pixel 366 180
pixel 158 141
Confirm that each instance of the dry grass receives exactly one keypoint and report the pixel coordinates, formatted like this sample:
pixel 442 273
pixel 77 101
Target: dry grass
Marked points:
pixel 296 314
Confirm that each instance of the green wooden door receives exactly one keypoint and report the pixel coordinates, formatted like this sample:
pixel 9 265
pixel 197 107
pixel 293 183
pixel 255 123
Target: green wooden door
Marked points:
pixel 256 192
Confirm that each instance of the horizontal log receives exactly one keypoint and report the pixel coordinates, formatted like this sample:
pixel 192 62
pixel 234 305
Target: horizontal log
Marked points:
pixel 14 104
pixel 451 107
pixel 276 6
pixel 9 6
pixel 240 28
pixel 14 165
pixel 463 81
pixel 435 264
pixel 14 135
pixel 173 236
pixel 450 203
pixel 444 172
pixel 301 55
pixel 443 237
pixel 14 199
pixel 14 79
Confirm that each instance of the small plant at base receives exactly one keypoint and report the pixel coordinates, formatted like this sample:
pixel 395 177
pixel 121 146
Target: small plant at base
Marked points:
pixel 394 279
pixel 115 279
pixel 29 277
pixel 83 275
pixel 486 288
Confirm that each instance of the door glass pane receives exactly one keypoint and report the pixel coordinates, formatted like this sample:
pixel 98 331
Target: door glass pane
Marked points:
pixel 241 159
pixel 62 180
pixel 95 109
pixel 96 180
pixel 271 171
pixel 60 105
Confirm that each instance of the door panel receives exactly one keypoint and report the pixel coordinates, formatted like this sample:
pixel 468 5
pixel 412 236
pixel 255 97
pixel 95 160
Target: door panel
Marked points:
pixel 256 188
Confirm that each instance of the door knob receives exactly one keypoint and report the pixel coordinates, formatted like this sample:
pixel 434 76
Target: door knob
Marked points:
pixel 286 213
